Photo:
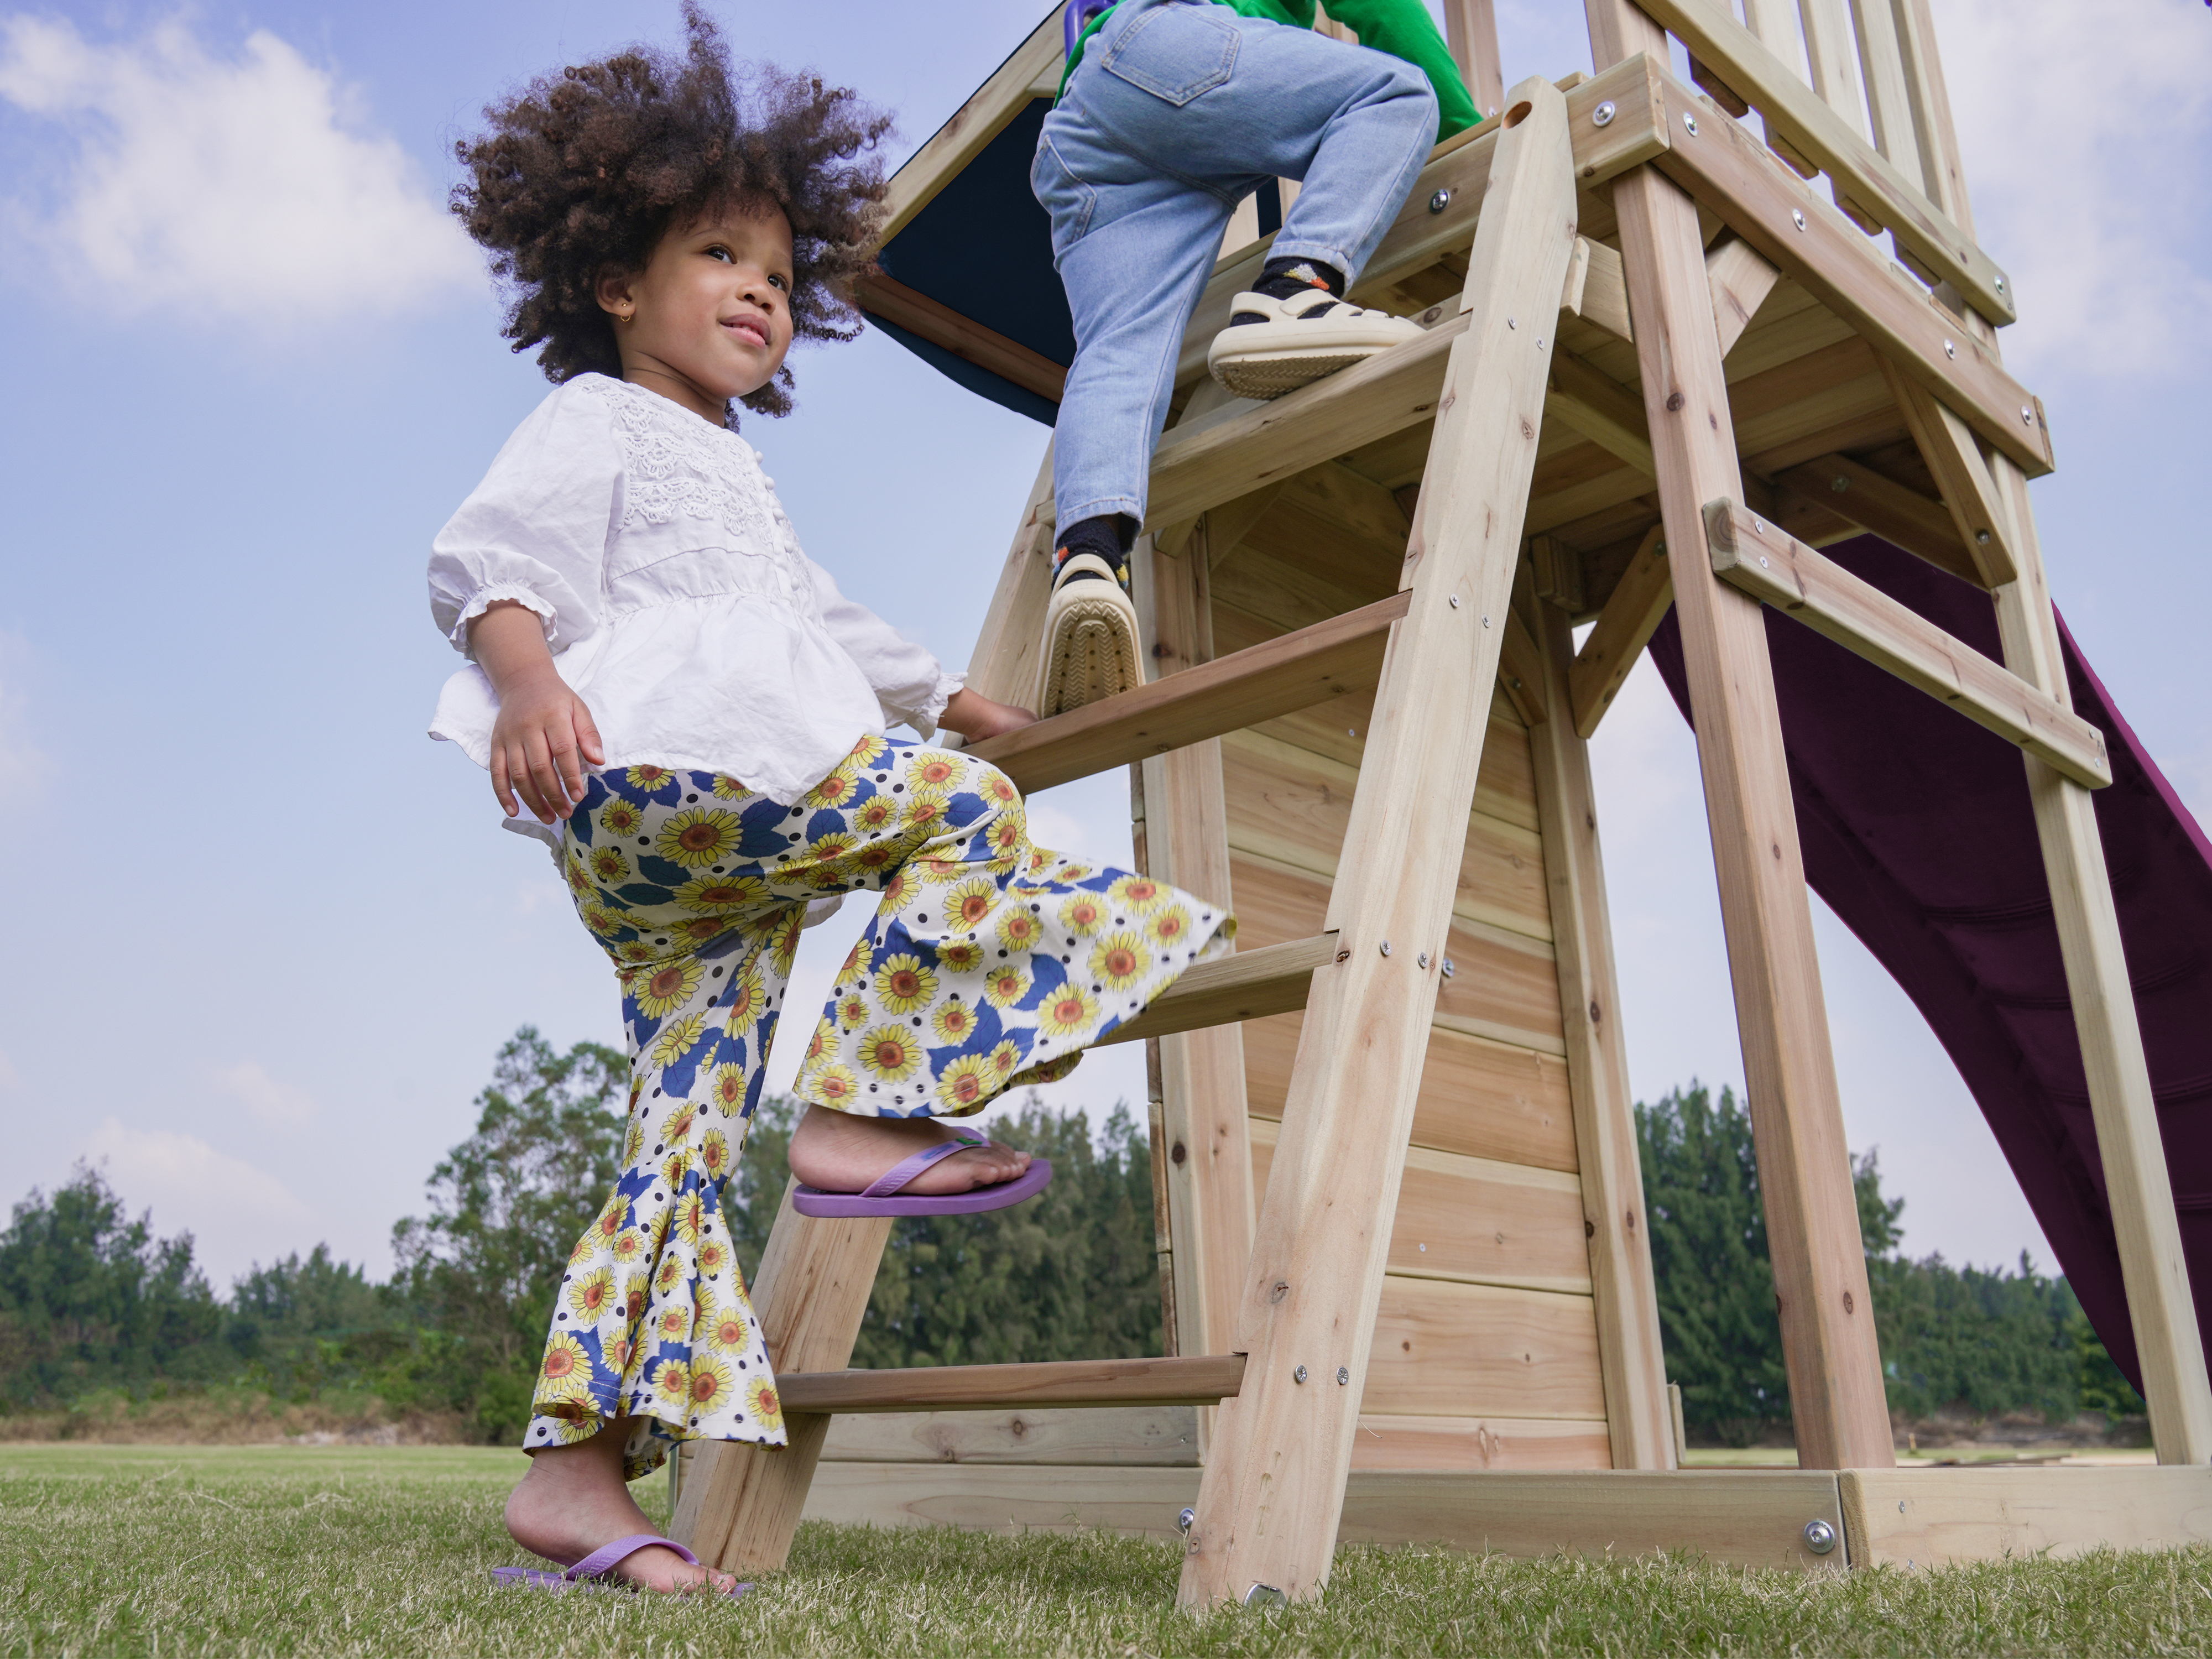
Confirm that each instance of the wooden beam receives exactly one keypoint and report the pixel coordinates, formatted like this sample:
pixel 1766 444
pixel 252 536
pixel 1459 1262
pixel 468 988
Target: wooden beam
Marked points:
pixel 895 302
pixel 1600 409
pixel 1471 28
pixel 1280 676
pixel 1728 170
pixel 1521 670
pixel 1930 1517
pixel 1962 477
pixel 1127 1436
pixel 1899 515
pixel 742 1502
pixel 973 125
pixel 1626 1296
pixel 1601 293
pixel 2138 1188
pixel 1755 557
pixel 1830 1351
pixel 1204 1159
pixel 1861 173
pixel 1741 278
pixel 1639 603
pixel 1559 572
pixel 1274 1480
pixel 1889 94
pixel 1227 525
pixel 1274 979
pixel 1182 1380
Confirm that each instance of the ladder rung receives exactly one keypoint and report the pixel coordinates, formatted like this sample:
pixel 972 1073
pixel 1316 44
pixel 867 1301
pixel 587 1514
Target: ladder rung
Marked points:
pixel 1192 1380
pixel 1277 676
pixel 1249 985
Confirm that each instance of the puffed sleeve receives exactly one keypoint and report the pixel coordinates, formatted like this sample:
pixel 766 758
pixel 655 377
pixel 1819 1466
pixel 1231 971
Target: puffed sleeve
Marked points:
pixel 910 684
pixel 535 530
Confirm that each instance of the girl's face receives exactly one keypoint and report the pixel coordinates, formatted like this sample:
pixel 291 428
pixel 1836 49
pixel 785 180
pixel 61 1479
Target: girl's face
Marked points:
pixel 710 316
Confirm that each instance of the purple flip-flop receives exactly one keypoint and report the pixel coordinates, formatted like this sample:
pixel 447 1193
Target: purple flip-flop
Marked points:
pixel 588 1573
pixel 879 1197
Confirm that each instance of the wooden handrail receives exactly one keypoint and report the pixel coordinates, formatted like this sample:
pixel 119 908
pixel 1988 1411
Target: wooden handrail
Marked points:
pixel 1177 1380
pixel 1278 676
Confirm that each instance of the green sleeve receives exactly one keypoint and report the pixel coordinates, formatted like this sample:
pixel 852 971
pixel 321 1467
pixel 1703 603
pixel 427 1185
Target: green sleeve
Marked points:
pixel 1404 29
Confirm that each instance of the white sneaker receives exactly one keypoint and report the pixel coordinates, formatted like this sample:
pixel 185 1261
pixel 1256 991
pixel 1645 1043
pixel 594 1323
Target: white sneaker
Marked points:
pixel 1090 639
pixel 1298 341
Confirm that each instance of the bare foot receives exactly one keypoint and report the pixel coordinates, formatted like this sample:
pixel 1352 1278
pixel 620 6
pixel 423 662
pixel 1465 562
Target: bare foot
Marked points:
pixel 575 1499
pixel 843 1152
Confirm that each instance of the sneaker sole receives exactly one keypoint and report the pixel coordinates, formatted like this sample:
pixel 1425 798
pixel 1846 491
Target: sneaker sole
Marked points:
pixel 1268 375
pixel 1090 649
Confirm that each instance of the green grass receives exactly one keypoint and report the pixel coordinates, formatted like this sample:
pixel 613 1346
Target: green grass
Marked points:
pixel 173 1550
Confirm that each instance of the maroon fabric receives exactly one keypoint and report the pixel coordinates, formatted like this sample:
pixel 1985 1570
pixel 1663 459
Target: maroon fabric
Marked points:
pixel 1918 834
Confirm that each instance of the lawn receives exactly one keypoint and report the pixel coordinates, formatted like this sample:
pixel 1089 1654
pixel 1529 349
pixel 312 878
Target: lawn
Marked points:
pixel 174 1550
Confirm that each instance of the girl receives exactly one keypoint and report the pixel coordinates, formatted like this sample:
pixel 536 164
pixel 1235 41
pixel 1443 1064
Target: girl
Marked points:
pixel 694 716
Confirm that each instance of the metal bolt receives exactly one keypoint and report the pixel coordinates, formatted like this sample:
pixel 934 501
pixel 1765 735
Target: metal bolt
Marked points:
pixel 1539 343
pixel 1454 602
pixel 1510 323
pixel 1839 484
pixel 1982 536
pixel 1185 1519
pixel 1344 1377
pixel 1820 1537
pixel 1486 621
pixel 1689 123
pixel 1424 958
pixel 1763 565
pixel 1264 1596
pixel 1602 115
pixel 1797 217
pixel 1758 524
pixel 1299 1375
pixel 1386 947
pixel 1440 201
pixel 2026 416
pixel 1448 968
pixel 1950 348
pixel 2000 284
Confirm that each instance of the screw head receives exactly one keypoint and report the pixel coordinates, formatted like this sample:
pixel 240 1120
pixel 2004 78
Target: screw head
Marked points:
pixel 1602 115
pixel 1385 947
pixel 1950 348
pixel 1510 323
pixel 1447 969
pixel 1486 621
pixel 1982 536
pixel 1299 1375
pixel 1797 217
pixel 1440 201
pixel 1424 958
pixel 1820 1537
pixel 2000 284
pixel 1758 524
pixel 1264 1596
pixel 1763 565
pixel 1689 123
pixel 1185 1519
pixel 1453 601
pixel 2026 416
pixel 1344 1377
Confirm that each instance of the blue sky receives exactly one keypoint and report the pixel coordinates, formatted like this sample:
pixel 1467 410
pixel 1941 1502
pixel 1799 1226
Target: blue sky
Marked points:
pixel 264 936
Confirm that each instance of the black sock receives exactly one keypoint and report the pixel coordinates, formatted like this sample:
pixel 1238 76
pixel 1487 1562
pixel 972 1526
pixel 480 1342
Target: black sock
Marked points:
pixel 1280 279
pixel 1110 537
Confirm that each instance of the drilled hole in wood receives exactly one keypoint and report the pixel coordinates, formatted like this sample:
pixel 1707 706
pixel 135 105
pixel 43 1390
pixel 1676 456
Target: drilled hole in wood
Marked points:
pixel 1517 114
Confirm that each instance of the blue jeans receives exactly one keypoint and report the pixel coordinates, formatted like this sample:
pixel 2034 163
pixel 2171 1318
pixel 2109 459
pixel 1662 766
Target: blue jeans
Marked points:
pixel 1179 110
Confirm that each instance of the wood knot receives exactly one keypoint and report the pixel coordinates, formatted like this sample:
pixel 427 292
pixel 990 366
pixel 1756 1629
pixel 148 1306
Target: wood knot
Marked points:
pixel 1674 402
pixel 1176 1154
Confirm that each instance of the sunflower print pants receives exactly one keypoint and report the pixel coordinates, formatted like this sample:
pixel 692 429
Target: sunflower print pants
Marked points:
pixel 990 963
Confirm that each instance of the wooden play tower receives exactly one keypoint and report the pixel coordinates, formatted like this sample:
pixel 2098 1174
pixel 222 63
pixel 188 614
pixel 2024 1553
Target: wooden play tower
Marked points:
pixel 1679 334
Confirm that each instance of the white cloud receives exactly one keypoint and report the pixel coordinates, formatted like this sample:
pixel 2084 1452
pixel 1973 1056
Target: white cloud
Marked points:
pixel 2082 135
pixel 236 1213
pixel 235 187
pixel 278 1105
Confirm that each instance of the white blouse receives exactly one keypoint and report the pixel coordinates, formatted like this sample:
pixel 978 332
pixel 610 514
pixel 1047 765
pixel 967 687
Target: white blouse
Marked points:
pixel 674 597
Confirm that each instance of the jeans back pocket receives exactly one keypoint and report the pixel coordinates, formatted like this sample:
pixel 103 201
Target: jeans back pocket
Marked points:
pixel 1061 194
pixel 1175 51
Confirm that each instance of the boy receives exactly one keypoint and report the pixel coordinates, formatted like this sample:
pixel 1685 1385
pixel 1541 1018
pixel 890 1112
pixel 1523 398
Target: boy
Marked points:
pixel 1170 113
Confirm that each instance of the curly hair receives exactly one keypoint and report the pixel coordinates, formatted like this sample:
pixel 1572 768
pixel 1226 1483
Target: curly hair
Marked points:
pixel 584 172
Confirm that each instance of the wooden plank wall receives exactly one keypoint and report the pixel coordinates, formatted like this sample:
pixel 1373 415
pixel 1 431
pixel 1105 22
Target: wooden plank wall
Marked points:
pixel 1486 1347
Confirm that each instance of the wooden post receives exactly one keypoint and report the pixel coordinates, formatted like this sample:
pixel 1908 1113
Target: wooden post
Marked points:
pixel 1471 29
pixel 1829 1347
pixel 1207 1151
pixel 1629 1352
pixel 740 1505
pixel 1273 1486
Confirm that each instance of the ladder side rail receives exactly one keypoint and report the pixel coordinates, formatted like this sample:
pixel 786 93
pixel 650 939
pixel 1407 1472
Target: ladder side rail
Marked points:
pixel 1272 1490
pixel 1640 1421
pixel 1829 1346
pixel 1207 1152
pixel 2139 1187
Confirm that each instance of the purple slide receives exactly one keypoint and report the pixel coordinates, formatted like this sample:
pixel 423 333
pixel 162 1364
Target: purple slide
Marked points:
pixel 1918 834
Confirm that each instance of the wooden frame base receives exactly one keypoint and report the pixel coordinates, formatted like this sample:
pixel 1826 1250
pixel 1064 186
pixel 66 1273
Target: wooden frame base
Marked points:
pixel 1741 1517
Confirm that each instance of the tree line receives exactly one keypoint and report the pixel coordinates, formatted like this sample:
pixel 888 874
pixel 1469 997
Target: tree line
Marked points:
pixel 93 1303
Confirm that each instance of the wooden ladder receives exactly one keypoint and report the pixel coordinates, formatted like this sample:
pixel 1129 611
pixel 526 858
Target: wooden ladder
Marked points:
pixel 1275 1480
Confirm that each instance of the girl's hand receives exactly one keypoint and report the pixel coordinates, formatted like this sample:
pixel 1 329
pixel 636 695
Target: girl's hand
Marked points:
pixel 545 735
pixel 976 717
